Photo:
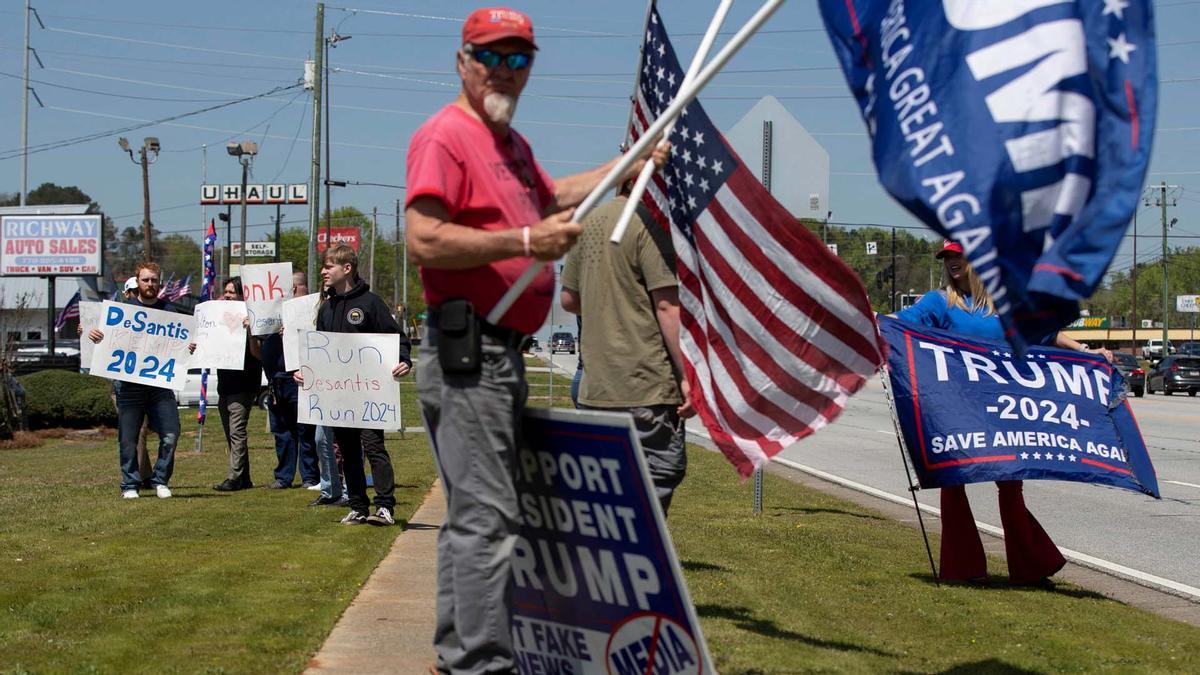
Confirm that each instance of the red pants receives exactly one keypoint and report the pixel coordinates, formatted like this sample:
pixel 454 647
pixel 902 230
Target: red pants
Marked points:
pixel 1032 556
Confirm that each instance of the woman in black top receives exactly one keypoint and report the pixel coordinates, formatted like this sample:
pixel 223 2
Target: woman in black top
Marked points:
pixel 236 394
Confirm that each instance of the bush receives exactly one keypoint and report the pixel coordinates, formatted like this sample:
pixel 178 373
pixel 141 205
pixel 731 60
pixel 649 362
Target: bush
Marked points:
pixel 62 398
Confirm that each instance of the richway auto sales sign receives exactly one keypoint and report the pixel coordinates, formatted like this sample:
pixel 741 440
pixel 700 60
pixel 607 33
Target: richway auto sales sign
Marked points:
pixel 47 245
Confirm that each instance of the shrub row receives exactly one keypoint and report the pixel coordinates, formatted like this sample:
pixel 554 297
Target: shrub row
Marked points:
pixel 62 398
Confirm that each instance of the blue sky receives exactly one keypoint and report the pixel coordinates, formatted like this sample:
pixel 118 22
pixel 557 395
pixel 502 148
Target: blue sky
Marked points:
pixel 574 110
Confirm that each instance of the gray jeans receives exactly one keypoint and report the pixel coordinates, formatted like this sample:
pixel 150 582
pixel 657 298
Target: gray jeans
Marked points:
pixel 474 423
pixel 235 417
pixel 660 432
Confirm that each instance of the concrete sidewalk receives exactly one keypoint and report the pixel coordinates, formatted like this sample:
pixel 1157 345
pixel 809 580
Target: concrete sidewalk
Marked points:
pixel 388 628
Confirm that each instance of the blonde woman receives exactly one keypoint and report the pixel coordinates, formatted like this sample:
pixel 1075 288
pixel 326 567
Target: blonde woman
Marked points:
pixel 964 306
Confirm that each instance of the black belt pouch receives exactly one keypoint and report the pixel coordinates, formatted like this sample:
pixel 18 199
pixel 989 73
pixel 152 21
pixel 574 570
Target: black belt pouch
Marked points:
pixel 458 338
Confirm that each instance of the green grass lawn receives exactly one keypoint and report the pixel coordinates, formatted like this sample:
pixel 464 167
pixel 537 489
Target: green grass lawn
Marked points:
pixel 248 582
pixel 819 584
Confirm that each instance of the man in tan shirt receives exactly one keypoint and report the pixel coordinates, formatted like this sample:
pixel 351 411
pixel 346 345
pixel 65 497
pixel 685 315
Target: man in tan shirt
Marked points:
pixel 628 297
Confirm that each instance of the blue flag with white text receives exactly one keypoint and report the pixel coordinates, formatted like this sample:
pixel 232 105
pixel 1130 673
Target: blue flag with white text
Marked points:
pixel 971 410
pixel 1020 129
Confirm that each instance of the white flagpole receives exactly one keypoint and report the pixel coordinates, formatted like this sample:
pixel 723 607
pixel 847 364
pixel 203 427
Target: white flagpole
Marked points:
pixel 643 179
pixel 682 99
pixel 637 79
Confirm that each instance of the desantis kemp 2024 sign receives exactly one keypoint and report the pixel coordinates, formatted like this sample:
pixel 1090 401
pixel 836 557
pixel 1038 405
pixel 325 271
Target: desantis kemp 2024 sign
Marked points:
pixel 50 245
pixel 596 584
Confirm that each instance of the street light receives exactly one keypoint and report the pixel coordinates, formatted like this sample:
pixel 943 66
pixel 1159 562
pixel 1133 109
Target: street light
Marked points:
pixel 150 145
pixel 245 152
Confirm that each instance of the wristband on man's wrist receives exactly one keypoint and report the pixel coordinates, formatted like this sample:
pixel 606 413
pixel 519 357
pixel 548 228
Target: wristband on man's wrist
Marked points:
pixel 525 239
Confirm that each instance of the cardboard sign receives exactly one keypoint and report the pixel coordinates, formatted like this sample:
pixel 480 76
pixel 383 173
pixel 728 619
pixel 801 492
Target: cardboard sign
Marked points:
pixel 299 314
pixel 50 245
pixel 266 287
pixel 143 345
pixel 89 318
pixel 348 380
pixel 597 587
pixel 220 335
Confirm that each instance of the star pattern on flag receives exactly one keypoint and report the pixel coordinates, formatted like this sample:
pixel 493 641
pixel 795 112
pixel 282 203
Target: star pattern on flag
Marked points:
pixel 1116 8
pixel 1120 48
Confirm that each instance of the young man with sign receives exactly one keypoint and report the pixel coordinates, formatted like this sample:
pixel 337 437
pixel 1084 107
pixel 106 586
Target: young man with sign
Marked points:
pixel 480 211
pixel 137 402
pixel 351 307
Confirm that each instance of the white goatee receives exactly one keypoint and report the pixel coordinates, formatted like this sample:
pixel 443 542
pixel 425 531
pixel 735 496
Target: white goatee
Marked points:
pixel 500 108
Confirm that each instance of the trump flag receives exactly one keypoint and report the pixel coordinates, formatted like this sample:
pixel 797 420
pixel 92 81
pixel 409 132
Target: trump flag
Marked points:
pixel 1020 129
pixel 971 410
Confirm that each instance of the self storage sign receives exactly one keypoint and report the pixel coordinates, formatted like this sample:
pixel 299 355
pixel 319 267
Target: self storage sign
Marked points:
pixel 49 245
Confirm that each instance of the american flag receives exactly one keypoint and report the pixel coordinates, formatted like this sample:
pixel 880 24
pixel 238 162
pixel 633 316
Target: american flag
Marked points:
pixel 776 332
pixel 208 279
pixel 71 311
pixel 174 289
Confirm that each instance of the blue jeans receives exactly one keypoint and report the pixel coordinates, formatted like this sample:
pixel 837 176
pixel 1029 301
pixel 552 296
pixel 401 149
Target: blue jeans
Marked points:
pixel 136 403
pixel 575 382
pixel 294 442
pixel 331 477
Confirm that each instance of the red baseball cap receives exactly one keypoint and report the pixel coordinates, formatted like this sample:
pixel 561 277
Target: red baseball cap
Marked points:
pixel 489 24
pixel 949 247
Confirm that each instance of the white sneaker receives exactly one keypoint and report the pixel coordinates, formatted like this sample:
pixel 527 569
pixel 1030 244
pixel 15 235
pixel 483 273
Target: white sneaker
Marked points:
pixel 314 487
pixel 129 494
pixel 382 517
pixel 162 491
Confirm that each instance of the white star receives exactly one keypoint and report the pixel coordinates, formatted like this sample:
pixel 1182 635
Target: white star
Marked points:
pixel 670 79
pixel 660 94
pixel 671 201
pixel 646 70
pixel 653 20
pixel 1072 458
pixel 691 202
pixel 1007 355
pixel 687 156
pixel 1037 455
pixel 1120 48
pixel 674 150
pixel 688 180
pixel 661 72
pixel 682 134
pixel 700 162
pixel 698 138
pixel 685 133
pixel 1041 356
pixel 667 179
pixel 716 167
pixel 704 184
pixel 661 50
pixel 995 353
pixel 1116 8
pixel 1061 457
pixel 1024 455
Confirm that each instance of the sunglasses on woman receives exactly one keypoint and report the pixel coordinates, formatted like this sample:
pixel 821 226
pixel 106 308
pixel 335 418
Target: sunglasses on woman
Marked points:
pixel 491 59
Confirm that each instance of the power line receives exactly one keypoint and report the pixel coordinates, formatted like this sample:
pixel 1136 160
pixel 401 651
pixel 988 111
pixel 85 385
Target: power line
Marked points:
pixel 168 45
pixel 115 95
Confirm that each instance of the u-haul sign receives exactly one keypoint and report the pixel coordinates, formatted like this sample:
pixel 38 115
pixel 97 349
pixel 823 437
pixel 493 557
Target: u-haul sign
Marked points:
pixel 294 193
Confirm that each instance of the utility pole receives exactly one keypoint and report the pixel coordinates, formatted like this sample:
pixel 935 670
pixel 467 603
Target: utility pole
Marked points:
pixel 1166 308
pixel 314 196
pixel 328 156
pixel 278 218
pixel 1133 275
pixel 374 227
pixel 893 270
pixel 25 126
pixel 146 254
pixel 396 268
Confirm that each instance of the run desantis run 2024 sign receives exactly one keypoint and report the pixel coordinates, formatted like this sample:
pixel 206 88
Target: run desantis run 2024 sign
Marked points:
pixel 597 588
pixel 971 410
pixel 1019 128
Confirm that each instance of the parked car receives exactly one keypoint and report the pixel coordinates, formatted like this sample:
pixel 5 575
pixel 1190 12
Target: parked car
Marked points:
pixel 1153 349
pixel 534 345
pixel 562 342
pixel 190 394
pixel 1175 373
pixel 1131 370
pixel 1189 348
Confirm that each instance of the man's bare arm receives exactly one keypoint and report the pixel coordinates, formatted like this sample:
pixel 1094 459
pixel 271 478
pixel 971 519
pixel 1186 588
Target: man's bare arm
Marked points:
pixel 569 298
pixel 572 190
pixel 666 311
pixel 434 241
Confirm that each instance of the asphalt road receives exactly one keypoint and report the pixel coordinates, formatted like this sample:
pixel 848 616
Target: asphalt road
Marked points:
pixel 1158 537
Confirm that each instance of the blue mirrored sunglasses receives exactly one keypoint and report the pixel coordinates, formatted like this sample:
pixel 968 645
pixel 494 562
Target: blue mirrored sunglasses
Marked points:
pixel 492 59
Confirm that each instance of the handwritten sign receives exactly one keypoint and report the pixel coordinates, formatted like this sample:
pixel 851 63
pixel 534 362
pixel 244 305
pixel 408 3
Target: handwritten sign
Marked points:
pixel 597 587
pixel 220 335
pixel 50 245
pixel 266 287
pixel 348 380
pixel 299 314
pixel 143 345
pixel 89 318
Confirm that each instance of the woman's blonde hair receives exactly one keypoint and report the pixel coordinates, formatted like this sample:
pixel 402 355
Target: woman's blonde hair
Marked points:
pixel 980 297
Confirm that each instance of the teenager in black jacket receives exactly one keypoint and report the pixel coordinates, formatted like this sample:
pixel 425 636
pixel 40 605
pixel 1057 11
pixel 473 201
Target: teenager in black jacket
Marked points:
pixel 349 306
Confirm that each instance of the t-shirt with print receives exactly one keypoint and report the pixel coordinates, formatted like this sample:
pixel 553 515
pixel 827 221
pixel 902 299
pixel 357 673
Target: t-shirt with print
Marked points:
pixel 627 360
pixel 487 182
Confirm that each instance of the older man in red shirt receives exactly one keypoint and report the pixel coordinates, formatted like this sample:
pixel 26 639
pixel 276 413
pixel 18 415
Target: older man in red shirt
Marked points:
pixel 480 210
